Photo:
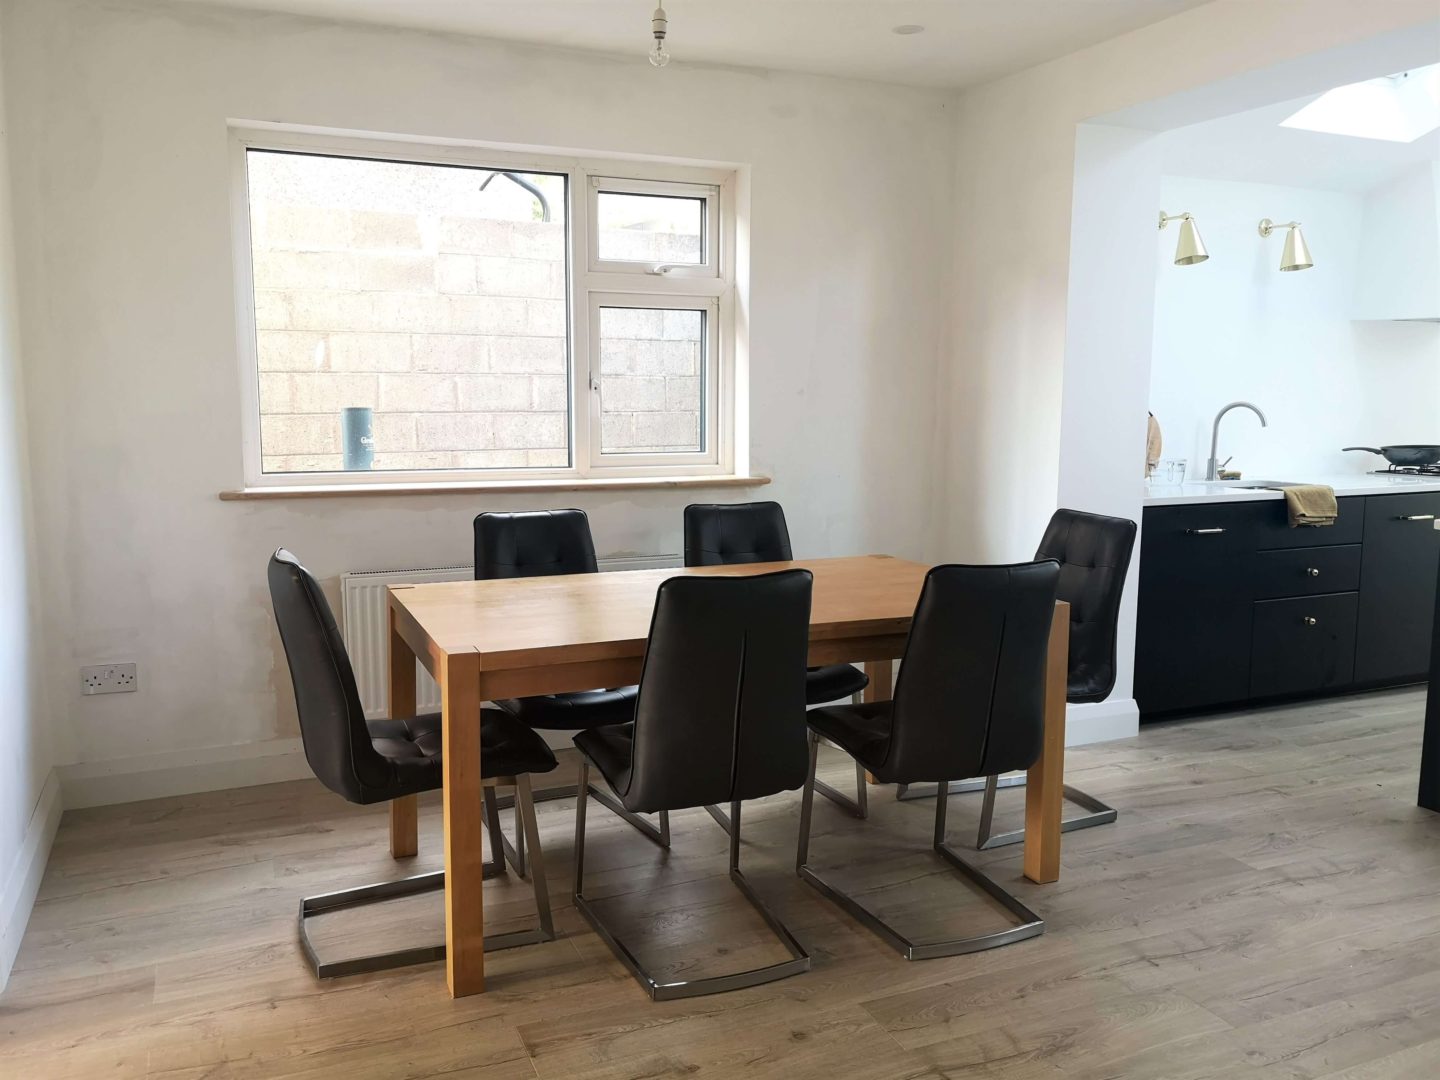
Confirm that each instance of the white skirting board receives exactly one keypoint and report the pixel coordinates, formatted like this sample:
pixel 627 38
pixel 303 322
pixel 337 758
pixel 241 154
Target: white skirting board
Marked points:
pixel 22 877
pixel 1102 721
pixel 182 772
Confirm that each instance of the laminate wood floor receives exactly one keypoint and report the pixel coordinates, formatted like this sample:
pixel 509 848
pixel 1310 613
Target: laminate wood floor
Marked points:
pixel 1267 907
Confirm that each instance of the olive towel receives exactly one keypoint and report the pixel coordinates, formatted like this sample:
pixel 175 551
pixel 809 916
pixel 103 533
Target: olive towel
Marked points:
pixel 1311 505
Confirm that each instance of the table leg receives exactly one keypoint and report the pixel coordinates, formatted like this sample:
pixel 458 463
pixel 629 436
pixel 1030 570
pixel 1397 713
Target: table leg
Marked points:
pixel 464 857
pixel 405 811
pixel 881 688
pixel 1045 782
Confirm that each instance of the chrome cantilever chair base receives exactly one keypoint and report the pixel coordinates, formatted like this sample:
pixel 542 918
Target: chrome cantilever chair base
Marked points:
pixel 550 794
pixel 1029 924
pixel 660 834
pixel 670 991
pixel 1099 812
pixel 422 883
pixel 859 806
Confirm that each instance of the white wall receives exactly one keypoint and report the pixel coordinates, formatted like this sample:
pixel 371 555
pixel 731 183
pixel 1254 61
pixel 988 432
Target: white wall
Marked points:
pixel 122 169
pixel 1400 397
pixel 26 821
pixel 1235 327
pixel 1108 345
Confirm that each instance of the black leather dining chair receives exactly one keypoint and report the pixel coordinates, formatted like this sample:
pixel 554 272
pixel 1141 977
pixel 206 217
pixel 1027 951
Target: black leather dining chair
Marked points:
pixel 720 718
pixel 969 701
pixel 543 543
pixel 373 761
pixel 1094 556
pixel 724 534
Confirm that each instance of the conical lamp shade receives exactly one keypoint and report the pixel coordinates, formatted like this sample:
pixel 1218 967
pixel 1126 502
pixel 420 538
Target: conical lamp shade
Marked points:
pixel 1297 255
pixel 1191 249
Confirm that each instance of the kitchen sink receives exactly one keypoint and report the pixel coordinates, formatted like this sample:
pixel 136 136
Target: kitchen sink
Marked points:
pixel 1249 485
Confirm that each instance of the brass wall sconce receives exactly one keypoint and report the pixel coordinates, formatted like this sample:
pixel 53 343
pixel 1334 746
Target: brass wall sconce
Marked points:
pixel 1191 249
pixel 1296 255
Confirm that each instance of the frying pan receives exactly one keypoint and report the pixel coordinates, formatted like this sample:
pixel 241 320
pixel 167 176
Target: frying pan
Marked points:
pixel 1416 454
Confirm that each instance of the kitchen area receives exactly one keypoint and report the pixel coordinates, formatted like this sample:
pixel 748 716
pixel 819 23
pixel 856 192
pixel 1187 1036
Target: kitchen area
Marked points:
pixel 1296 342
pixel 1237 606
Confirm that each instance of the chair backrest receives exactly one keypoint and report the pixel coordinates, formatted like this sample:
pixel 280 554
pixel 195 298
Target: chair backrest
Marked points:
pixel 332 720
pixel 1094 557
pixel 970 696
pixel 721 708
pixel 719 533
pixel 535 543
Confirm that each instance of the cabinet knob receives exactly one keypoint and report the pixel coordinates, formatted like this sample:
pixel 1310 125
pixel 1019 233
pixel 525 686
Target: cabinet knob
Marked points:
pixel 1204 532
pixel 1312 571
pixel 1310 620
pixel 1416 517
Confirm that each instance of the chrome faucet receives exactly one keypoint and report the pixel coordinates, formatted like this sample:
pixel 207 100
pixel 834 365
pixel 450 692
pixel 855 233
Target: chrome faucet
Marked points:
pixel 1212 469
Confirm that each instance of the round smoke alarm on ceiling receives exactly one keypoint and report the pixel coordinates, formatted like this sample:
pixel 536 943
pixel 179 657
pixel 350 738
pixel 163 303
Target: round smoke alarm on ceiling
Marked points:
pixel 907 29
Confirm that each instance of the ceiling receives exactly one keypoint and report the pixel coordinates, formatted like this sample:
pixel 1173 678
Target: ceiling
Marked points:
pixel 964 42
pixel 1253 147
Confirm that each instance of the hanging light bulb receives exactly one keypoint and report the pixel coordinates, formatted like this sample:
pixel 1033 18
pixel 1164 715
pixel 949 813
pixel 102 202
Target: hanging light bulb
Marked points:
pixel 658 56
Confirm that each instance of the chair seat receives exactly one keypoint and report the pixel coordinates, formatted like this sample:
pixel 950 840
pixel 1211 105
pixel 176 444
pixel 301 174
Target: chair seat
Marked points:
pixel 612 751
pixel 573 712
pixel 1086 687
pixel 862 731
pixel 833 682
pixel 508 748
pixel 412 747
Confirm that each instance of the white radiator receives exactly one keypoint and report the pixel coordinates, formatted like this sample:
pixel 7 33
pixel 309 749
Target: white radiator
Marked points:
pixel 364 625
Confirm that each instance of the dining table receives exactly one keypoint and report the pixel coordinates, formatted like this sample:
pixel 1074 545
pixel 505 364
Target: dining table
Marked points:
pixel 514 637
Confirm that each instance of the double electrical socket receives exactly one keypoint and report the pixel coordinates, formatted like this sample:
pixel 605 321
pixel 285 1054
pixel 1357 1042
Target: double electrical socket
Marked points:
pixel 108 679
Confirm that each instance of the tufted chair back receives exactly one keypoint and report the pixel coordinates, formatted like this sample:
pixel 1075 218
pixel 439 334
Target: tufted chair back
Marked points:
pixel 535 543
pixel 721 710
pixel 332 721
pixel 1094 557
pixel 720 533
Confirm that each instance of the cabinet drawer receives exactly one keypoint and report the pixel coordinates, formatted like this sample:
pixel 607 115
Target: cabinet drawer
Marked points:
pixel 1272 527
pixel 1303 644
pixel 1307 571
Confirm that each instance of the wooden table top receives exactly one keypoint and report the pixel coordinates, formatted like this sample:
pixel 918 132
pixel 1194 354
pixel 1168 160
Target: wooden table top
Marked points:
pixel 525 622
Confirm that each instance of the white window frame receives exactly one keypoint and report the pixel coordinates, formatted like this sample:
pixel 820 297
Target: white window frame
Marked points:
pixel 707 194
pixel 632 284
pixel 706 455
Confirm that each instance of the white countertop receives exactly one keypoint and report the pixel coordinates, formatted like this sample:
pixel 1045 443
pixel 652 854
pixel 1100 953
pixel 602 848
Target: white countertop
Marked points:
pixel 1162 494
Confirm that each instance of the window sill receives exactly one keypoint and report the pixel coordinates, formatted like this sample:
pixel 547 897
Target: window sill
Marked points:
pixel 490 487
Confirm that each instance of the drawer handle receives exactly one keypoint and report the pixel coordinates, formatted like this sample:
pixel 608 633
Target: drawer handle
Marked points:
pixel 1416 517
pixel 1203 532
pixel 1312 571
pixel 1310 620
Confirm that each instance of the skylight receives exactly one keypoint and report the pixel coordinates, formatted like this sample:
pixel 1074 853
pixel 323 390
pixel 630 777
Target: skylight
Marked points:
pixel 1396 108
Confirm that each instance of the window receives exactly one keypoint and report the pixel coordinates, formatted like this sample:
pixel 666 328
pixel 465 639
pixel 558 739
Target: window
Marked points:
pixel 439 313
pixel 642 227
pixel 1394 108
pixel 654 374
